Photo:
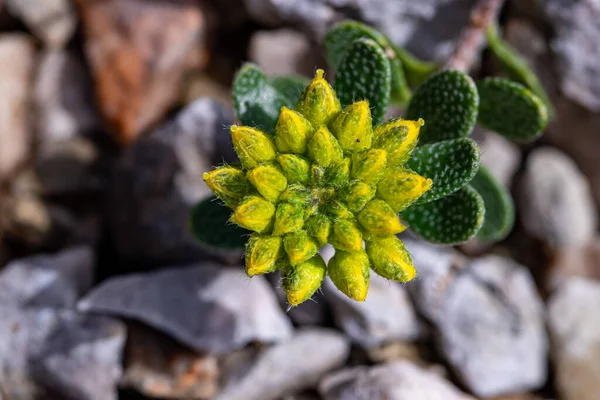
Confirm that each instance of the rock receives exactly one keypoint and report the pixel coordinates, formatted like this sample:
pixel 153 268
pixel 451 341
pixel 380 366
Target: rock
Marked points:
pixel 400 380
pixel 53 21
pixel 386 315
pixel 574 261
pixel 296 364
pixel 81 359
pixel 577 47
pixel 208 307
pixel 282 52
pixel 203 85
pixel 574 325
pixel 556 202
pixel 488 319
pixel 159 179
pixel 394 351
pixel 501 157
pixel 17 55
pixel 55 281
pixel 139 52
pixel 158 367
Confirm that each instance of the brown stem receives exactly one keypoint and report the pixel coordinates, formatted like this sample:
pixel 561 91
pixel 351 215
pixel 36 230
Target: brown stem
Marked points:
pixel 472 38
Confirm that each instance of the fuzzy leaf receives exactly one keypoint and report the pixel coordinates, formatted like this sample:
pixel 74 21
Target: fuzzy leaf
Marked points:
pixel 450 220
pixel 499 207
pixel 511 110
pixel 289 86
pixel 415 70
pixel 257 102
pixel 448 102
pixel 401 93
pixel 364 73
pixel 516 67
pixel 451 164
pixel 208 223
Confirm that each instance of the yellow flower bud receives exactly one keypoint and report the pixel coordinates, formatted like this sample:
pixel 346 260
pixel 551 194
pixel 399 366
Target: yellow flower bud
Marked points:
pixel 288 218
pixel 337 210
pixel 318 103
pixel 349 272
pixel 292 132
pixel 369 166
pixel 390 259
pixel 398 137
pixel 353 127
pixel 228 184
pixel 299 247
pixel 401 187
pixel 378 218
pixel 254 213
pixel 298 195
pixel 356 195
pixel 324 149
pixel 262 253
pixel 319 226
pixel 295 168
pixel 338 174
pixel 268 181
pixel 252 146
pixel 303 280
pixel 346 235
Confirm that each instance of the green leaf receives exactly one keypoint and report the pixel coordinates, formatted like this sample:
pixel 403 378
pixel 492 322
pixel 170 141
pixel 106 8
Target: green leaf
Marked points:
pixel 257 103
pixel 499 207
pixel 209 224
pixel 401 93
pixel 364 73
pixel 448 102
pixel 450 164
pixel 415 70
pixel 290 86
pixel 511 110
pixel 516 67
pixel 450 220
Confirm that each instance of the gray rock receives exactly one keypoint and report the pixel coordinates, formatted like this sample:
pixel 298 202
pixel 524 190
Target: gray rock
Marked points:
pixel 556 200
pixel 574 261
pixel 488 320
pixel 55 281
pixel 53 21
pixel 296 364
pixel 400 380
pixel 81 359
pixel 159 179
pixel 501 156
pixel 386 315
pixel 577 46
pixel 574 324
pixel 17 55
pixel 207 306
pixel 282 52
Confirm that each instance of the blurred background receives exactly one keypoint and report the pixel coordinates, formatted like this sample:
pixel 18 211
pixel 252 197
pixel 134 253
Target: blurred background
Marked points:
pixel 111 110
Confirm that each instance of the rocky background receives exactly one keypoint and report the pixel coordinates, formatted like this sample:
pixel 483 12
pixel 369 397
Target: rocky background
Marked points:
pixel 110 110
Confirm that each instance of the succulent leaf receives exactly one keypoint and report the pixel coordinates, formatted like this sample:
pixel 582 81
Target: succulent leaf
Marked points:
pixel 448 102
pixel 208 224
pixel 511 110
pixel 290 86
pixel 415 70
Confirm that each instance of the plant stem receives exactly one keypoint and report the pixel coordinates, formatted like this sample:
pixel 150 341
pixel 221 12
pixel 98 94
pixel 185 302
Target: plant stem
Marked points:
pixel 472 38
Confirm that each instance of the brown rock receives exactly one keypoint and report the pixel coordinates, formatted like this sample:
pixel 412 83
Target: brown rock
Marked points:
pixel 575 261
pixel 139 52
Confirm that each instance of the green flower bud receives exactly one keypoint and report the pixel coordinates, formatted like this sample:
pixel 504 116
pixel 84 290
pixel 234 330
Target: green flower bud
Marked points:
pixel 401 187
pixel 319 226
pixel 252 146
pixel 299 247
pixel 262 253
pixel 268 181
pixel 303 280
pixel 369 166
pixel 349 272
pixel 317 176
pixel 292 132
pixel 295 168
pixel 353 127
pixel 338 174
pixel 337 210
pixel 390 259
pixel 356 195
pixel 228 184
pixel 346 235
pixel 254 213
pixel 297 195
pixel 324 149
pixel 378 218
pixel 318 103
pixel 288 218
pixel 398 137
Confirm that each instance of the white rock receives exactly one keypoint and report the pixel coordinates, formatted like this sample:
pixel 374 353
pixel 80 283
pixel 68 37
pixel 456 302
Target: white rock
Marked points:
pixel 500 156
pixel 53 21
pixel 281 52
